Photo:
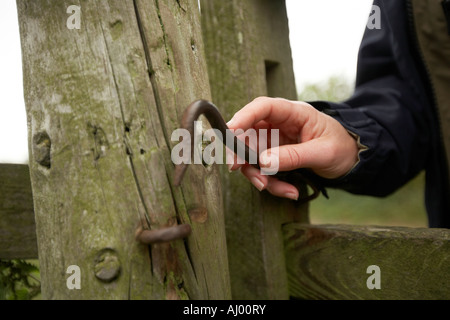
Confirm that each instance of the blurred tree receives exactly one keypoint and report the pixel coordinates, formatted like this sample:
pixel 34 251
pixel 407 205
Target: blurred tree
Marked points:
pixel 334 89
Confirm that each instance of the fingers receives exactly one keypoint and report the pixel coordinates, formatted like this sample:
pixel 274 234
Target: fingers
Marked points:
pixel 287 117
pixel 274 186
pixel 310 154
pixel 254 139
pixel 317 153
pixel 273 110
pixel 309 139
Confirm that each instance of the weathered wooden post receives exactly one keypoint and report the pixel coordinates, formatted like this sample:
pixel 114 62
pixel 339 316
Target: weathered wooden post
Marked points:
pixel 105 85
pixel 248 53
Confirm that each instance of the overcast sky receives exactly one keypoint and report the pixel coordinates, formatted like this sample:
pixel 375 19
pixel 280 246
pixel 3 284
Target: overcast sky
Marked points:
pixel 325 36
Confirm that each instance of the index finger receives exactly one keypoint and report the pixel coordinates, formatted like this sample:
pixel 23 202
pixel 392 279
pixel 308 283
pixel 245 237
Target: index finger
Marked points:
pixel 273 110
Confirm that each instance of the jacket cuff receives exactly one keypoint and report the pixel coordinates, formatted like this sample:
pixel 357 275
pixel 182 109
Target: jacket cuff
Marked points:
pixel 356 123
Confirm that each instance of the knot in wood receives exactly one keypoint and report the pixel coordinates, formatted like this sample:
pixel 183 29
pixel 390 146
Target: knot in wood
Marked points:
pixel 41 148
pixel 107 265
pixel 199 214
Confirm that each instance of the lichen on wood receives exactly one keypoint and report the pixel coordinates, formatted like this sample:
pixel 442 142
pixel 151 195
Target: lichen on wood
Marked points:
pixel 332 262
pixel 108 95
pixel 240 37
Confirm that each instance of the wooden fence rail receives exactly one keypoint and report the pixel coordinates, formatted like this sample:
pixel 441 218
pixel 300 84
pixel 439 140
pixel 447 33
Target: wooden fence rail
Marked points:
pixel 17 226
pixel 337 261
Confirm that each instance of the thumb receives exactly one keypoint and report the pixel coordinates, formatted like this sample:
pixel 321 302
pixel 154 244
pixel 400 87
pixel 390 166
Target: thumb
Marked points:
pixel 312 154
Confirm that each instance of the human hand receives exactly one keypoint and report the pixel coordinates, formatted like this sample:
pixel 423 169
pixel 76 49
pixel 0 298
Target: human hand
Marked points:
pixel 308 138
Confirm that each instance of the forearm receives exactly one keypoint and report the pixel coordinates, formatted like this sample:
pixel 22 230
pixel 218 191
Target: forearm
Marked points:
pixel 392 130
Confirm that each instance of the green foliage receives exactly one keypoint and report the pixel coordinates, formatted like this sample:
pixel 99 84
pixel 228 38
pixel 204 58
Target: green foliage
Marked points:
pixel 403 208
pixel 18 280
pixel 334 89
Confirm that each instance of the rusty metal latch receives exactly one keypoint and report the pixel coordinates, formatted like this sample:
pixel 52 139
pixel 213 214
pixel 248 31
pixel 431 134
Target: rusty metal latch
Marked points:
pixel 162 235
pixel 210 111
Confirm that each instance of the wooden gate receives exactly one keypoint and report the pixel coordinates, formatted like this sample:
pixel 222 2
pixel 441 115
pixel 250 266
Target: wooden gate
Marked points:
pixel 102 101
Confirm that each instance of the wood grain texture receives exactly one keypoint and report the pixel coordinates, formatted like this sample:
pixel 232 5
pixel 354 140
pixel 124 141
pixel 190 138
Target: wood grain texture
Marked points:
pixel 331 261
pixel 17 226
pixel 248 54
pixel 103 102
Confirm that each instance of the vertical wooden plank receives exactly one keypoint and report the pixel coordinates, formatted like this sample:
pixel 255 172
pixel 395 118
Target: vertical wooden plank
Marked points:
pixel 102 102
pixel 248 53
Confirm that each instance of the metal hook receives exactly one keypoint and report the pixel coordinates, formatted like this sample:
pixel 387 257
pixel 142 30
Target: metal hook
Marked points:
pixel 167 234
pixel 211 112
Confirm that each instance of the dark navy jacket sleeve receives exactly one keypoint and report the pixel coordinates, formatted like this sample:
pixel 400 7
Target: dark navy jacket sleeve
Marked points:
pixel 390 109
